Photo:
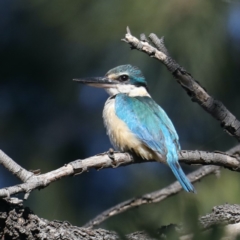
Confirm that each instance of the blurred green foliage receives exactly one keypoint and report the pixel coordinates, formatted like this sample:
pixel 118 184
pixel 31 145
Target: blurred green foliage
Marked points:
pixel 46 120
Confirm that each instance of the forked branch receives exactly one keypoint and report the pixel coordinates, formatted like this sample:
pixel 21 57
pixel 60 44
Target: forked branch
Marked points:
pixel 193 88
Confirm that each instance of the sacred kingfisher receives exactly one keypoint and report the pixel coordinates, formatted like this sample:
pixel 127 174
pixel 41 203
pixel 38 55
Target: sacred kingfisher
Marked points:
pixel 135 122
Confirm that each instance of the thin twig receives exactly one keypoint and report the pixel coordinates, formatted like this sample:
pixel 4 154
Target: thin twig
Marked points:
pixel 197 93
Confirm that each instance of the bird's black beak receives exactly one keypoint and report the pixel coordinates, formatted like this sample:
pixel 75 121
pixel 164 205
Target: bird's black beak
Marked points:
pixel 101 82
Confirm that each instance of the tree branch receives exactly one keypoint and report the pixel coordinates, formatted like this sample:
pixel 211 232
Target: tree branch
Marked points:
pixel 222 159
pixel 193 88
pixel 100 161
pixel 223 214
pixel 152 197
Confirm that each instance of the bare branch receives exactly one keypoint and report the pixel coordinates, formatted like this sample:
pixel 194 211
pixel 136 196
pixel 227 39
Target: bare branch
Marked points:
pixel 153 197
pixel 193 88
pixel 104 160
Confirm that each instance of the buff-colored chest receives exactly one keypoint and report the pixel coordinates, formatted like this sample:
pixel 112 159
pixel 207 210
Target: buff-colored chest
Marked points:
pixel 120 135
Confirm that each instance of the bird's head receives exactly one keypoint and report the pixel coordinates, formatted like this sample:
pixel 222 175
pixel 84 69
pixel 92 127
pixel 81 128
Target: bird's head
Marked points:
pixel 122 79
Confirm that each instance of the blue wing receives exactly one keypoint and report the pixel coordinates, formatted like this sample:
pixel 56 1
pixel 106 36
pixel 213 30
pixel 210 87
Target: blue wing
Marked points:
pixel 149 122
pixel 163 120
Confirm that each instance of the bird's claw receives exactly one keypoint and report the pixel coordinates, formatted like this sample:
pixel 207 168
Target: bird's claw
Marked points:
pixel 110 153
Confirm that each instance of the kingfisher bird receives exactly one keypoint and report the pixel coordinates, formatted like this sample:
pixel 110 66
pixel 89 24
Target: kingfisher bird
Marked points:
pixel 135 122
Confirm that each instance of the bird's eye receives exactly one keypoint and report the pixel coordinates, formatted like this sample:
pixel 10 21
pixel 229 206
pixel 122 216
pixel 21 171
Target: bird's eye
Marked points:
pixel 123 77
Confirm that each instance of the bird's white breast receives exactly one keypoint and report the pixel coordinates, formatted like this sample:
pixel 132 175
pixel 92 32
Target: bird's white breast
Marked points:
pixel 120 135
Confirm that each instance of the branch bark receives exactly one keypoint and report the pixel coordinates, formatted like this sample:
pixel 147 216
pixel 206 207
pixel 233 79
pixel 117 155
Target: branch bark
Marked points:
pixel 193 88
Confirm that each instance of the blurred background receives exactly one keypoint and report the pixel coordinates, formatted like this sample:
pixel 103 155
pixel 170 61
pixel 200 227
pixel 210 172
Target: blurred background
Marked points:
pixel 47 120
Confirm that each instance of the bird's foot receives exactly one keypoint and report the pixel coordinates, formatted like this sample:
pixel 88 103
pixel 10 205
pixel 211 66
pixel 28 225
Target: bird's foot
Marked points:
pixel 110 153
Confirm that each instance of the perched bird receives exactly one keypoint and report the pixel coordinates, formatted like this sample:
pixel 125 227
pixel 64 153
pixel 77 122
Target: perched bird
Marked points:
pixel 135 122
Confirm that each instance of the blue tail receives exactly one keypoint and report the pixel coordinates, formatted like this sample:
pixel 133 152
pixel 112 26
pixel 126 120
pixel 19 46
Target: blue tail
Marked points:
pixel 179 174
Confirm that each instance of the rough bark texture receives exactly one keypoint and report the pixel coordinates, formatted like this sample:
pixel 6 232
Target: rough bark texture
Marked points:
pixel 223 214
pixel 17 222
